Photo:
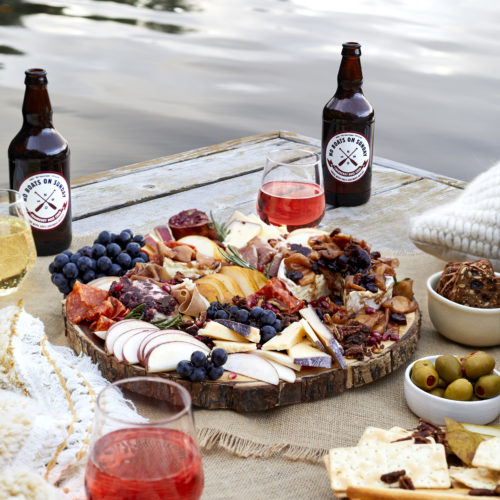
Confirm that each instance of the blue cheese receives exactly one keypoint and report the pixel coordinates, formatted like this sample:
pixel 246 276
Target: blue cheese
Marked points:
pixel 318 288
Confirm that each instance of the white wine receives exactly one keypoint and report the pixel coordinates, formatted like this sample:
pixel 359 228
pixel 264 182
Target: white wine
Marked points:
pixel 17 253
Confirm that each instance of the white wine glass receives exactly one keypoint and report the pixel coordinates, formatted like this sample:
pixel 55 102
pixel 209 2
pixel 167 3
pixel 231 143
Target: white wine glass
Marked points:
pixel 17 248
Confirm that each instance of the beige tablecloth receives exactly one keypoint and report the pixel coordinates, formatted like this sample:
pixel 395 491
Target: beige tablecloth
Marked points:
pixel 273 455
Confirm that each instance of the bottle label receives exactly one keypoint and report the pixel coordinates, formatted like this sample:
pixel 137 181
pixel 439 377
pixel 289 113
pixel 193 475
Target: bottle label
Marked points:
pixel 347 156
pixel 46 195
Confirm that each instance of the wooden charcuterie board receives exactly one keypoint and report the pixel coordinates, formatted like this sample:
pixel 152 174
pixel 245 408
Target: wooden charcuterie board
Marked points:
pixel 243 394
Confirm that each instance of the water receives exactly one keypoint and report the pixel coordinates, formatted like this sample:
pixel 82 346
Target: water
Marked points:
pixel 132 80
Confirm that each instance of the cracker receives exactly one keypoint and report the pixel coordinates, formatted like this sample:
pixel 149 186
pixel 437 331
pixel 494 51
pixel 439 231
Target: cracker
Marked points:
pixel 488 454
pixel 475 477
pixel 374 435
pixel 425 464
pixel 365 493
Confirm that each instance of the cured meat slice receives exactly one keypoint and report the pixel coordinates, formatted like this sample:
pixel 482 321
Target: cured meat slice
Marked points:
pixel 81 300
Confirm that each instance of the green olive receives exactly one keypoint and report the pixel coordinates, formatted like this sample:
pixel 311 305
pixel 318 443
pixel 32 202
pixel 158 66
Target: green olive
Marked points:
pixel 478 364
pixel 422 362
pixel 437 391
pixel 442 383
pixel 487 386
pixel 448 367
pixel 460 390
pixel 425 377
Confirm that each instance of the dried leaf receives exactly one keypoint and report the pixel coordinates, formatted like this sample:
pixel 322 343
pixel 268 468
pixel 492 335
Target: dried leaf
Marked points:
pixel 462 442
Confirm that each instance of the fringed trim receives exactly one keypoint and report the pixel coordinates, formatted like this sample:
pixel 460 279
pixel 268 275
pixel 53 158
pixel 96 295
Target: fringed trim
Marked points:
pixel 213 438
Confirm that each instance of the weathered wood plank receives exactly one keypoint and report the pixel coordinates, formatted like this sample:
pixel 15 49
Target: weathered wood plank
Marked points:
pixel 168 178
pixel 222 198
pixel 175 158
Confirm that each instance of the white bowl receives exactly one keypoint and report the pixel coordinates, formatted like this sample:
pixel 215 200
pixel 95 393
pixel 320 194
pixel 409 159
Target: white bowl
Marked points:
pixel 463 324
pixel 435 409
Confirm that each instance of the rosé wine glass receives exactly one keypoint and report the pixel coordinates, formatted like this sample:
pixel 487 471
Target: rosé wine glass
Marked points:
pixel 291 192
pixel 148 450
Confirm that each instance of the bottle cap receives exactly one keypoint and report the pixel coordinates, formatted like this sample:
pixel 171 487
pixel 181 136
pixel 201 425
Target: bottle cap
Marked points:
pixel 35 76
pixel 351 49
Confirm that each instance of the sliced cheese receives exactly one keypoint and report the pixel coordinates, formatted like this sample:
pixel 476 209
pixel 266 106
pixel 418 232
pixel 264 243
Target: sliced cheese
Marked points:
pixel 305 354
pixel 215 330
pixel 290 336
pixel 279 357
pixel 231 347
pixel 240 232
pixel 311 335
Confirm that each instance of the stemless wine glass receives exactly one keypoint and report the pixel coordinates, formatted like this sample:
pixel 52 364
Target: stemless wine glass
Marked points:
pixel 17 248
pixel 291 192
pixel 148 450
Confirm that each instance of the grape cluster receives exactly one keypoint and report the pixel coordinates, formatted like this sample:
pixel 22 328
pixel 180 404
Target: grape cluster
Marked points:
pixel 264 319
pixel 110 255
pixel 200 366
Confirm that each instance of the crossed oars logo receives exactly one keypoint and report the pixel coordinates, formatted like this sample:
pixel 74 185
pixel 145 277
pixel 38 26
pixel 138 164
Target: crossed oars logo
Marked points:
pixel 45 201
pixel 348 157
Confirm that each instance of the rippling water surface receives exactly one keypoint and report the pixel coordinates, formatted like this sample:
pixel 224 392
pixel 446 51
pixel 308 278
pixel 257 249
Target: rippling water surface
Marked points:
pixel 132 80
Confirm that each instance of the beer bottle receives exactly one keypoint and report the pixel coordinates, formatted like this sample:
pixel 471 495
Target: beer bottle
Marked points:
pixel 347 137
pixel 39 168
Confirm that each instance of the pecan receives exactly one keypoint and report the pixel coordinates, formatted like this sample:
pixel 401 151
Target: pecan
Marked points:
pixel 392 477
pixel 483 492
pixel 405 483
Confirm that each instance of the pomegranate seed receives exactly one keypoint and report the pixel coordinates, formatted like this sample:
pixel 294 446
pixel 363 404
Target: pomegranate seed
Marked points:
pixel 118 318
pixel 232 376
pixel 335 309
pixel 260 268
pixel 171 282
pixel 369 310
pixel 385 336
pixel 394 337
pixel 118 287
pixel 377 335
pixel 167 288
pixel 325 304
pixel 199 323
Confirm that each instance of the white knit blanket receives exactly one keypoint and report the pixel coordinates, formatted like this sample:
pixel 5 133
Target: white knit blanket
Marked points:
pixel 47 399
pixel 468 228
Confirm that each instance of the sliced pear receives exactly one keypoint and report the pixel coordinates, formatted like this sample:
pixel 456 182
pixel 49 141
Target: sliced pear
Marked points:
pixel 229 283
pixel 213 289
pixel 204 245
pixel 252 366
pixel 244 279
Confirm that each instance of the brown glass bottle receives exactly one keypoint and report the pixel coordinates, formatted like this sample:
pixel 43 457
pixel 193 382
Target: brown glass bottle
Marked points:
pixel 39 168
pixel 347 138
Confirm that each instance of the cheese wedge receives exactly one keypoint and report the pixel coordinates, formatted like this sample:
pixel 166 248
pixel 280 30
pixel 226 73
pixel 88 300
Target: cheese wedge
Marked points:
pixel 326 336
pixel 279 357
pixel 311 335
pixel 305 354
pixel 231 347
pixel 215 330
pixel 290 336
pixel 240 232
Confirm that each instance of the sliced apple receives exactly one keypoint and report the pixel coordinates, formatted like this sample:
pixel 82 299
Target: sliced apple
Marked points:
pixel 240 232
pixel 311 335
pixel 104 282
pixel 301 236
pixel 305 354
pixel 290 336
pixel 249 332
pixel 215 330
pixel 165 357
pixel 130 347
pixel 231 347
pixel 120 341
pixel 279 357
pixel 101 334
pixel 252 366
pixel 120 327
pixel 326 336
pixel 171 337
pixel 204 245
pixel 284 373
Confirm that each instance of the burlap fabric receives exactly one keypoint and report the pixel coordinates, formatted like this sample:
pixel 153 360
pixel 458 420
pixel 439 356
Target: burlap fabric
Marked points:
pixel 275 454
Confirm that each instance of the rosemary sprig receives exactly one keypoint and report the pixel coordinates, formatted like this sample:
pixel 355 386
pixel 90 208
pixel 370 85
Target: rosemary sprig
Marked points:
pixel 220 227
pixel 136 312
pixel 173 322
pixel 232 255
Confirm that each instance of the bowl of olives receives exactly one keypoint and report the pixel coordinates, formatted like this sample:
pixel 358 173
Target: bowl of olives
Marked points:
pixel 466 389
pixel 474 326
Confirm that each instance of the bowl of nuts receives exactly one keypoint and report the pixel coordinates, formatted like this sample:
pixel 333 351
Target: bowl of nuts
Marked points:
pixel 464 303
pixel 466 389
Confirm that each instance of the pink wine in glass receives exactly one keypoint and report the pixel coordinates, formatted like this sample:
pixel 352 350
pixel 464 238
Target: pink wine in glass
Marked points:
pixel 144 464
pixel 291 203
